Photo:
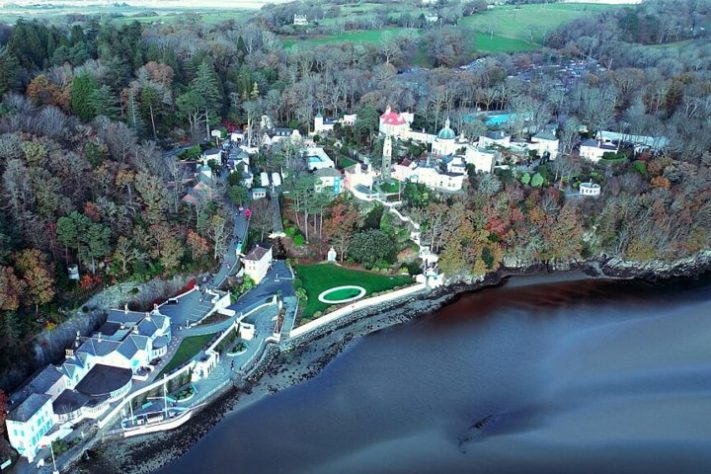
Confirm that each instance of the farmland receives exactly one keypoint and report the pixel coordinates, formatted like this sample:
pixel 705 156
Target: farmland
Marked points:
pixel 499 30
pixel 528 23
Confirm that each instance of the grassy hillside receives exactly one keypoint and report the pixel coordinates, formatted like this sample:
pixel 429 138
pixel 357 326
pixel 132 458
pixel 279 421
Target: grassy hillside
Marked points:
pixel 357 36
pixel 529 23
pixel 504 29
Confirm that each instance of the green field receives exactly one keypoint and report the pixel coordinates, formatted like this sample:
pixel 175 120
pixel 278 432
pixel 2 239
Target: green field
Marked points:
pixel 188 348
pixel 123 14
pixel 210 18
pixel 356 36
pixel 504 29
pixel 486 43
pixel 529 23
pixel 320 277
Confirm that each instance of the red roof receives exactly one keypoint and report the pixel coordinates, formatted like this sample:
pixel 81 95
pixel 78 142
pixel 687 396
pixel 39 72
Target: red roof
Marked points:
pixel 392 118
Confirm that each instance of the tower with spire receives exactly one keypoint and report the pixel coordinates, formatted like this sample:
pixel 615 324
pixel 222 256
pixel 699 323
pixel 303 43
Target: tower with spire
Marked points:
pixel 387 158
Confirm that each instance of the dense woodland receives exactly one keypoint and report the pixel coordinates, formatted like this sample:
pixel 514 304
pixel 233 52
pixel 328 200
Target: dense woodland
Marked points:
pixel 88 109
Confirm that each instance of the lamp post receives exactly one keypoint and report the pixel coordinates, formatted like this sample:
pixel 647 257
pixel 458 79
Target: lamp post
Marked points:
pixel 54 461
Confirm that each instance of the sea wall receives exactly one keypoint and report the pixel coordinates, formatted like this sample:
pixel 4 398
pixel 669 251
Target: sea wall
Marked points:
pixel 354 307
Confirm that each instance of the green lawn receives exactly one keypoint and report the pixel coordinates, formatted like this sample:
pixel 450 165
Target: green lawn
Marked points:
pixel 485 43
pixel 504 29
pixel 344 162
pixel 528 23
pixel 320 277
pixel 188 348
pixel 343 294
pixel 391 187
pixel 356 36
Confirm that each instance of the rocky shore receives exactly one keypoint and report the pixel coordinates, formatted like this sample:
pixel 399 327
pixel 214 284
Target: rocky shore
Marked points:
pixel 302 359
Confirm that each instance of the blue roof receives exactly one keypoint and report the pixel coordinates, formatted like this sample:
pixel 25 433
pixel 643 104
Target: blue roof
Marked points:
pixel 446 134
pixel 29 407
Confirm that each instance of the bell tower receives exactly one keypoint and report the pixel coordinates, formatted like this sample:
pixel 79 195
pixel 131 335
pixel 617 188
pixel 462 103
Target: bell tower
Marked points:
pixel 387 158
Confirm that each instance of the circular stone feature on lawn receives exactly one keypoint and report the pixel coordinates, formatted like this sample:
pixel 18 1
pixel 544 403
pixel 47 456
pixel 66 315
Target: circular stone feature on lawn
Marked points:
pixel 342 294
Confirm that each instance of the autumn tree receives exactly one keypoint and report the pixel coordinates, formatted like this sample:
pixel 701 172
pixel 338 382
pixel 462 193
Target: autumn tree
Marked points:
pixel 11 289
pixel 39 282
pixel 339 227
pixel 126 253
pixel 198 245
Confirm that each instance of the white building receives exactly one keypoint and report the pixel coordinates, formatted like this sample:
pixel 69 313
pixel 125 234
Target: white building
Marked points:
pixel 482 159
pixel 328 180
pixel 430 175
pixel 446 142
pixel 211 154
pixel 455 164
pixel 349 120
pixel 594 150
pixel 325 124
pixel 258 193
pixel 359 175
pixel 590 189
pixel 316 158
pixel 276 135
pixel 28 423
pixel 300 20
pixel 96 371
pixel 256 263
pixel 395 124
pixel 640 142
pixel 276 179
pixel 545 142
pixel 494 138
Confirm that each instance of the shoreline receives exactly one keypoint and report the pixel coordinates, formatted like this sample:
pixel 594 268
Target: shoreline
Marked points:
pixel 298 361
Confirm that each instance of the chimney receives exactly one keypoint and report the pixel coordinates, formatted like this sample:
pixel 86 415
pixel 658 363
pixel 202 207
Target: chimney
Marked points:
pixel 125 308
pixel 155 306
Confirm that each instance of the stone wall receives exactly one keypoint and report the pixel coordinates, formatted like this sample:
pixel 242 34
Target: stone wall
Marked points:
pixel 336 315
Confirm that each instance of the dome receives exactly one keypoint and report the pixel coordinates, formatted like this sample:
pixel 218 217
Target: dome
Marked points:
pixel 446 133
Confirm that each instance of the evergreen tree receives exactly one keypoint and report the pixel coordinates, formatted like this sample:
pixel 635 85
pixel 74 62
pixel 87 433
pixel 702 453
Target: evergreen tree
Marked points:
pixel 208 88
pixel 103 102
pixel 84 87
pixel 8 71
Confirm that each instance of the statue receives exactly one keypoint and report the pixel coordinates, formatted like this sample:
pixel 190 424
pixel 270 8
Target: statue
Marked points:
pixel 331 255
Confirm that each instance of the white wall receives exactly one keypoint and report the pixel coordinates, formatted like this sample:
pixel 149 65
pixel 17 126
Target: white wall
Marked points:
pixel 355 306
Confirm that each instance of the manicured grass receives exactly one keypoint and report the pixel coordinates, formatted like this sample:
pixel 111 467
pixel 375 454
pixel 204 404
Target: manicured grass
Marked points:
pixel 344 162
pixel 342 294
pixel 320 277
pixel 188 348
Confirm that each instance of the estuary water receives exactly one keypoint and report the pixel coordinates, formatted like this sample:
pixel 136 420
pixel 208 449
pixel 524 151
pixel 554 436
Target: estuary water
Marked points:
pixel 578 376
